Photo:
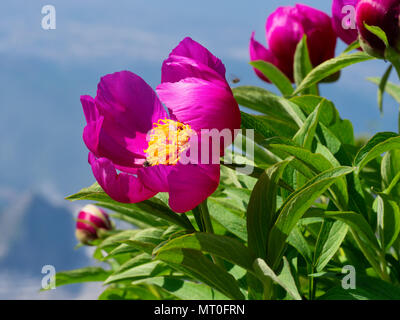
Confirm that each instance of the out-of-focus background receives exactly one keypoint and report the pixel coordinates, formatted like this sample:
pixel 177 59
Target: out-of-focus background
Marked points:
pixel 42 75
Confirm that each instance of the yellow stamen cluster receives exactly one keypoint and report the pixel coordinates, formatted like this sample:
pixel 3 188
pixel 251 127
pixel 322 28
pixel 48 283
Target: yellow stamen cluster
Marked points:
pixel 168 139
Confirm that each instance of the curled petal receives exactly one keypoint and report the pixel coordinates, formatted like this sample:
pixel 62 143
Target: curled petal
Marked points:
pixel 121 187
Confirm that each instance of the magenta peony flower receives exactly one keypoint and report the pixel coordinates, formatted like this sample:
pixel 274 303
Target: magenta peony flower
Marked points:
pixel 126 109
pixel 383 14
pixel 91 220
pixel 344 19
pixel 285 28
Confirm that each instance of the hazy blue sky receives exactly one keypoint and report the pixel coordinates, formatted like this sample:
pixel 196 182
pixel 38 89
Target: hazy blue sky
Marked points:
pixel 43 73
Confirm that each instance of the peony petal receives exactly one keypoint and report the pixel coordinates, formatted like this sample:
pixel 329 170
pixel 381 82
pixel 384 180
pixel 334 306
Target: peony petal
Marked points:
pixel 201 104
pixel 121 187
pixel 120 118
pixel 317 25
pixel 176 68
pixel 128 103
pixel 191 49
pixel 155 177
pixel 190 185
pixel 284 32
pixel 89 109
pixel 259 52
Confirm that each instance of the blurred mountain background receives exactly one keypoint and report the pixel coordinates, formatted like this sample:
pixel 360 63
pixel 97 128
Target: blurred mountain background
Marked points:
pixel 42 75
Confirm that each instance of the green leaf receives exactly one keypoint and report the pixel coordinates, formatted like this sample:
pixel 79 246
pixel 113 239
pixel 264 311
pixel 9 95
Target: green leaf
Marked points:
pixel 225 247
pixel 276 76
pixel 382 87
pixel 378 32
pixel 261 100
pixel 89 274
pixel 195 264
pixel 297 240
pixel 231 219
pixel 302 65
pixel 143 271
pixel 367 288
pixel 328 243
pixel 304 137
pixel 265 273
pixel 308 103
pixel 352 46
pixel 379 144
pixel 330 67
pixel 357 223
pixel 390 173
pixel 129 293
pixel 146 240
pixel 310 164
pixel 388 214
pixel 118 238
pixel 187 290
pixel 296 205
pixel 390 88
pixel 261 211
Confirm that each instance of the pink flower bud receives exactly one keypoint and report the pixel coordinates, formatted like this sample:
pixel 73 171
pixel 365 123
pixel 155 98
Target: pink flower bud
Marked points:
pixel 91 221
pixel 285 28
pixel 383 14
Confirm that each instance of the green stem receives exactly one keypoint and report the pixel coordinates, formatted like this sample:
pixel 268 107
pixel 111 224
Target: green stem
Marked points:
pixel 208 227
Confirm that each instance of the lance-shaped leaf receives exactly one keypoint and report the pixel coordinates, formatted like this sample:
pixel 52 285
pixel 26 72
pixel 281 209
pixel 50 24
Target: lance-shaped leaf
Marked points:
pixel 311 164
pixel 195 264
pixel 304 137
pixel 388 214
pixel 302 65
pixel 296 205
pixel 328 243
pixel 390 88
pixel 276 76
pixel 379 144
pixel 231 219
pixel 89 274
pixel 265 274
pixel 261 211
pixel 261 100
pixel 367 288
pixel 185 290
pixel 142 271
pixel 225 247
pixel 330 67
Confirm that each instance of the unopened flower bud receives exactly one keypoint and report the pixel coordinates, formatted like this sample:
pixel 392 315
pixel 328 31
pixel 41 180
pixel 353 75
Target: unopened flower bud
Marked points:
pixel 383 14
pixel 92 221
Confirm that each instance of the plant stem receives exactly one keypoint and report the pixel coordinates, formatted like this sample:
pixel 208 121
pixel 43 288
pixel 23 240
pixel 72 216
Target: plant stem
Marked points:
pixel 208 227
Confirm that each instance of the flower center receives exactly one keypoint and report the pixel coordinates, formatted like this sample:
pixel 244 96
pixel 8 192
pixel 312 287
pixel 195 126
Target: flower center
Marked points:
pixel 168 139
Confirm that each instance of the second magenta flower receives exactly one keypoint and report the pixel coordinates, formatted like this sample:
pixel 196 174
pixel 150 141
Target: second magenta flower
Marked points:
pixel 285 28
